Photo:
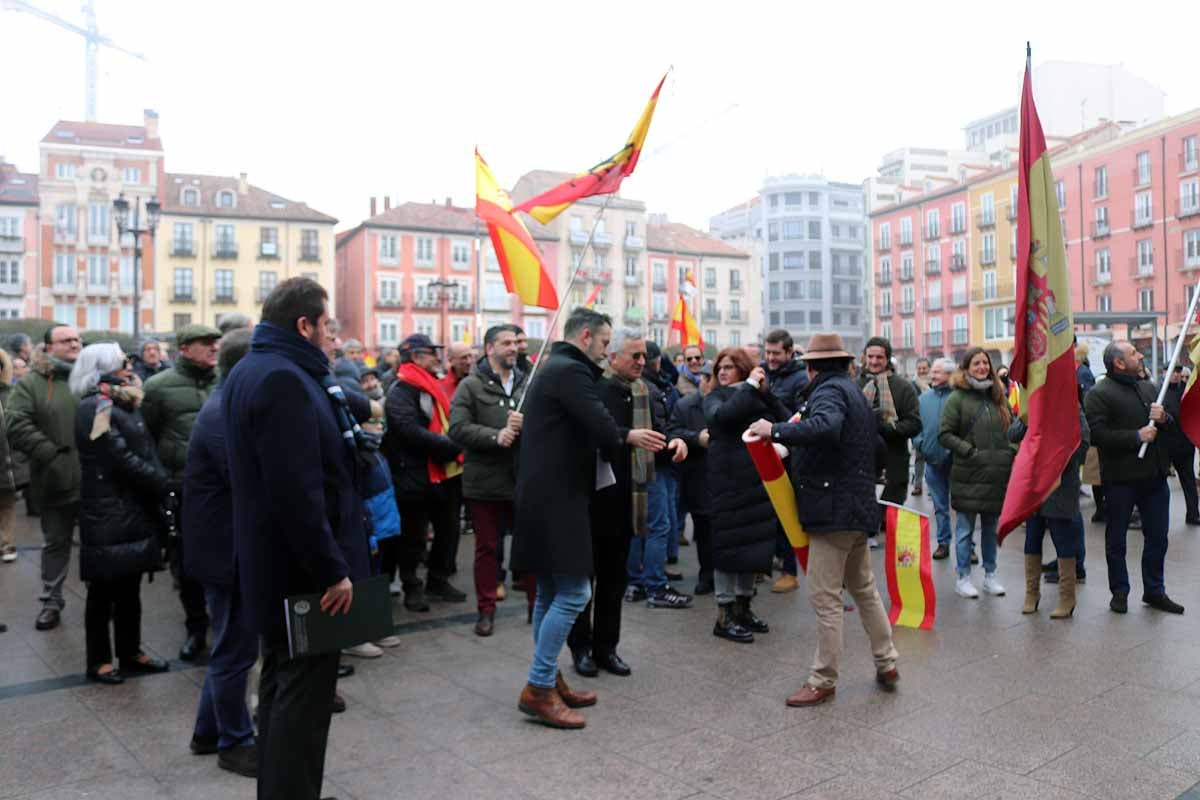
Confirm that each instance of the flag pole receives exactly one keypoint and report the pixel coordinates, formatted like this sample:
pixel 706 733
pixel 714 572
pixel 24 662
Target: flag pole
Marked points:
pixel 562 301
pixel 1162 390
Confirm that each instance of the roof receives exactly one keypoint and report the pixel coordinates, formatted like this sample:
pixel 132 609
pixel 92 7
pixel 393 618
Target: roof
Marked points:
pixel 675 237
pixel 434 217
pixel 756 200
pixel 100 134
pixel 17 188
pixel 254 202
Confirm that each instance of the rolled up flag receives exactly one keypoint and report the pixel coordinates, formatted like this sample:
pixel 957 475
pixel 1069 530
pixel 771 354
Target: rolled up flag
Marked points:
pixel 909 568
pixel 769 464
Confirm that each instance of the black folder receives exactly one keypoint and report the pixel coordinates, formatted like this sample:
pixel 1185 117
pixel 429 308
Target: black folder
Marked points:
pixel 311 631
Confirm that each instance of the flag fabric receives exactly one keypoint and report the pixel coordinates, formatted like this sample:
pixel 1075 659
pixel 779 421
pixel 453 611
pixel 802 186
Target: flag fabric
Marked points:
pixel 685 324
pixel 1014 398
pixel 1189 404
pixel 520 260
pixel 769 465
pixel 604 178
pixel 909 561
pixel 591 298
pixel 1043 352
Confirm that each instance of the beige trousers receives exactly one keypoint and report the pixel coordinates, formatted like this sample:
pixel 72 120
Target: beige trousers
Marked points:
pixel 836 559
pixel 8 518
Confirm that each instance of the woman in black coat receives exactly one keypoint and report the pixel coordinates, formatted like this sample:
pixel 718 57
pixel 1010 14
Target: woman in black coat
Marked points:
pixel 122 486
pixel 743 520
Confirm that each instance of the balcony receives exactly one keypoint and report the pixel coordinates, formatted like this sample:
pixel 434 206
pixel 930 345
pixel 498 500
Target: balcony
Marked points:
pixel 985 219
pixel 634 316
pixel 884 312
pixel 933 267
pixel 932 233
pixel 1100 230
pixel 993 294
pixel 1189 161
pixel 182 295
pixel 389 302
pixel 987 257
pixel 959 336
pixel 933 340
pixel 958 300
pixel 660 316
pixel 268 249
pixel 660 283
pixel 66 235
pixel 1011 213
pixel 905 309
pixel 736 288
pixel 65 287
pixel 905 239
pixel 1187 262
pixel 426 301
pixel 710 315
pixel 884 278
pixel 602 239
pixel 933 304
pixel 98 289
pixel 225 250
pixel 183 248
pixel 579 237
pixel 635 279
pixel 634 243
pixel 738 318
pixel 1141 219
pixel 958 225
pixel 1140 177
pixel 1187 207
pixel 906 274
pixel 461 304
pixel 600 276
pixel 224 295
pixel 1139 270
pixel 261 293
pixel 12 289
pixel 958 263
pixel 883 245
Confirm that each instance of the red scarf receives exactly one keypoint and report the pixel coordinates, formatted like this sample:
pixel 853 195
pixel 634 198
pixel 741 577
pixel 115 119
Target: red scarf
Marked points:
pixel 439 420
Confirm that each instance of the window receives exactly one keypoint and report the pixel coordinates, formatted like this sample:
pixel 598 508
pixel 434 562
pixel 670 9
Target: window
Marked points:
pixel 774 291
pixel 1189 197
pixel 793 229
pixel 1103 265
pixel 989 248
pixel 1100 183
pixel 64 171
pixel 460 254
pixel 814 199
pixel 1191 248
pixel 710 278
pixel 1101 219
pixel 495 295
pixel 97 317
pixel 388 250
pixel 1145 257
pixel 987 214
pixel 181 320
pixel 389 330
pixel 181 288
pixel 933 224
pixel 190 197
pixel 267 281
pixel 998 322
pixel 1143 213
pixel 631 267
pixel 64 270
pixel 773 201
pixel 268 242
pixel 65 221
pixel 814 318
pixel 772 231
pixel 1104 302
pixel 310 248
pixel 223 286
pixel 793 290
pixel 131 176
pixel 1143 168
pixel 908 335
pixel 226 244
pixel 989 285
pixel 735 280
pixel 425 325
pixel 389 290
pixel 735 309
pixel 1060 193
pixel 906 300
pixel 98 227
pixel 906 231
pixel 182 243
pixel 885 235
pixel 458 330
pixel 576 224
pixel 1146 299
pixel 933 295
pixel 885 301
pixel 97 274
pixel 631 229
pixel 424 252
pixel 1191 153
pixel 814 290
pixel 958 218
pixel 814 230
pixel 814 259
pixel 793 260
pixel 535 327
pixel 225 199
pixel 10 272
pixel 958 292
pixel 658 305
pixel 660 273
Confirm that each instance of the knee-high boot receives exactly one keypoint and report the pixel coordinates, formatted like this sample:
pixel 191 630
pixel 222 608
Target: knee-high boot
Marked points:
pixel 1033 583
pixel 1066 589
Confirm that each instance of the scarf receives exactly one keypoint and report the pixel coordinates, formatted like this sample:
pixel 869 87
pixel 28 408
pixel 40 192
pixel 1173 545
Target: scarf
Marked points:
pixel 439 417
pixel 878 386
pixel 641 462
pixel 694 377
pixel 982 385
pixel 126 396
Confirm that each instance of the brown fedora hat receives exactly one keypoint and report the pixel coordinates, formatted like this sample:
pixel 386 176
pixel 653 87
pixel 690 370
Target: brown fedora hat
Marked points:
pixel 825 345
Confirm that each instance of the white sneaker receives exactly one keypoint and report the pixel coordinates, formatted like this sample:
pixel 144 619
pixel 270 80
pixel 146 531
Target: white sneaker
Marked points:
pixel 364 650
pixel 388 641
pixel 964 588
pixel 395 588
pixel 992 586
pixel 872 544
pixel 9 556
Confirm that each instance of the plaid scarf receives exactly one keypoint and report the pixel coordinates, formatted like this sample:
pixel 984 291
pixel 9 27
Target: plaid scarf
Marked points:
pixel 439 417
pixel 641 461
pixel 878 387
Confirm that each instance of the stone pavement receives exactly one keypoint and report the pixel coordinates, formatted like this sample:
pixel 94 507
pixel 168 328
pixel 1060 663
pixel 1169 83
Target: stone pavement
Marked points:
pixel 992 704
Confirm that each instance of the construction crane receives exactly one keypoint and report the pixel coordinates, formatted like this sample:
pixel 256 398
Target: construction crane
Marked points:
pixel 92 38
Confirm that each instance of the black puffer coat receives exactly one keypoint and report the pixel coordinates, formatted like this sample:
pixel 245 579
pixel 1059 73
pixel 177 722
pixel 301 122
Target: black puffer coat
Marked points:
pixel 408 443
pixel 744 522
pixel 122 484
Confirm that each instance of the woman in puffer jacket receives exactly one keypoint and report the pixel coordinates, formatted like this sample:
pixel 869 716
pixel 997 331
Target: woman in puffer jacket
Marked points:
pixel 122 486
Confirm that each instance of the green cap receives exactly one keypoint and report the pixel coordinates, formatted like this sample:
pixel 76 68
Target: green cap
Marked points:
pixel 191 333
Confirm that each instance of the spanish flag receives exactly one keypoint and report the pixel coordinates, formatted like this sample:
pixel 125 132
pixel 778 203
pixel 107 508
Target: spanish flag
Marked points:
pixel 1189 404
pixel 604 178
pixel 769 465
pixel 685 324
pixel 909 568
pixel 1043 348
pixel 520 260
pixel 1014 398
pixel 590 302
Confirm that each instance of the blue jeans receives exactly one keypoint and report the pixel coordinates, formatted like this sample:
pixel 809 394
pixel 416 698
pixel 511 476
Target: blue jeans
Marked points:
pixel 1062 533
pixel 560 599
pixel 937 478
pixel 784 552
pixel 1153 499
pixel 676 518
pixel 223 714
pixel 681 513
pixel 965 531
pixel 648 554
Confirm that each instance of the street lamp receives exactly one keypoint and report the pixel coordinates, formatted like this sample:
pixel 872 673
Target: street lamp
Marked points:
pixel 443 289
pixel 135 228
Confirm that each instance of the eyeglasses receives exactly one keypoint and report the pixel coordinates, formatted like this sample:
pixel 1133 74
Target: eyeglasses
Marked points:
pixel 695 358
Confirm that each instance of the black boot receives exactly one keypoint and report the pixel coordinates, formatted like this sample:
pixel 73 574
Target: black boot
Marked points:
pixel 414 595
pixel 748 619
pixel 728 627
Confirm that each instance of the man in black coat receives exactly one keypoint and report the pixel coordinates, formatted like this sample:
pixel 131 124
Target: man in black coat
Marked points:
pixel 222 721
pixel 832 471
pixel 688 422
pixel 1123 415
pixel 1180 447
pixel 899 421
pixel 566 431
pixel 297 524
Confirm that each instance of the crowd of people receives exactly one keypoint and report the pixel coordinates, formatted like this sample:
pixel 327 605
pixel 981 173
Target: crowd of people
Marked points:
pixel 269 460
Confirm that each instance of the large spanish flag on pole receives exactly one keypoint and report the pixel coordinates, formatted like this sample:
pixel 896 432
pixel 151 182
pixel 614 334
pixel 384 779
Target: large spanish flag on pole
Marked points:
pixel 685 325
pixel 769 465
pixel 604 178
pixel 520 260
pixel 909 563
pixel 1189 404
pixel 1043 353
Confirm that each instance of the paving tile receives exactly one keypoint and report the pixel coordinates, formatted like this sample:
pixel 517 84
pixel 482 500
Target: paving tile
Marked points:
pixel 737 713
pixel 1104 775
pixel 968 780
pixel 123 786
pixel 61 707
pixel 1181 753
pixel 61 753
pixel 845 787
pixel 624 726
pixel 583 772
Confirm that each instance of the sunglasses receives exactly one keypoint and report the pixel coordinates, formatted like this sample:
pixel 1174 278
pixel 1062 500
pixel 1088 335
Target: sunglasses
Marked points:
pixel 695 358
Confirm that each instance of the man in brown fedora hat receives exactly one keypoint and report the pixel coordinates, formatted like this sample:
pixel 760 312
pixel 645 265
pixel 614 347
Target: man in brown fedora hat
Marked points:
pixel 832 470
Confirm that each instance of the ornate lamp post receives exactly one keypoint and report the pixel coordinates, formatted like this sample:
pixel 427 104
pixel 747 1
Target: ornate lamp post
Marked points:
pixel 135 227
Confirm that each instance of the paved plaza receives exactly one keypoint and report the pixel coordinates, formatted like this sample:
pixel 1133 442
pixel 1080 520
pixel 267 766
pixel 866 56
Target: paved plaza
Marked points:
pixel 991 704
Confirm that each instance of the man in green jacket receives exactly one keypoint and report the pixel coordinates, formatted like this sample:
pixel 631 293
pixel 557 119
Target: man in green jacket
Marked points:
pixel 484 420
pixel 41 424
pixel 173 399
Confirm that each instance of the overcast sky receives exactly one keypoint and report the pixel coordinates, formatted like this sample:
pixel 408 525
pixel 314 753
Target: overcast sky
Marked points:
pixel 330 103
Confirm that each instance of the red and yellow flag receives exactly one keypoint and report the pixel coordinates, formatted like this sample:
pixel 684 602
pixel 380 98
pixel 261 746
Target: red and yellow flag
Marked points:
pixel 769 466
pixel 1043 352
pixel 520 260
pixel 1189 404
pixel 590 302
pixel 1014 397
pixel 604 178
pixel 909 568
pixel 685 324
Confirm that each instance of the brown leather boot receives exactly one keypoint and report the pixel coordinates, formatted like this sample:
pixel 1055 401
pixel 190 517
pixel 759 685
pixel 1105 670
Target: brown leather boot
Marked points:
pixel 548 708
pixel 1033 583
pixel 1066 589
pixel 574 698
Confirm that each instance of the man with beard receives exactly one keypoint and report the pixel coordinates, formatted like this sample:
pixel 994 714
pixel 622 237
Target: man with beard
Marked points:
pixel 523 362
pixel 787 379
pixel 894 401
pixel 689 370
pixel 371 386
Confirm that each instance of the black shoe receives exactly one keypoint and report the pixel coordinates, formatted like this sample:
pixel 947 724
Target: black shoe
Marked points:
pixel 615 664
pixel 1050 566
pixel 727 627
pixel 414 599
pixel 193 648
pixel 147 665
pixel 1080 574
pixel 241 760
pixel 3 628
pixel 47 619
pixel 669 598
pixel 1162 603
pixel 674 576
pixel 440 589
pixel 111 678
pixel 1119 604
pixel 942 552
pixel 584 664
pixel 339 703
pixel 635 594
pixel 1193 521
pixel 1100 516
pixel 345 670
pixel 974 557
pixel 1050 577
pixel 203 747
pixel 746 617
pixel 486 624
pixel 703 587
pixel 672 560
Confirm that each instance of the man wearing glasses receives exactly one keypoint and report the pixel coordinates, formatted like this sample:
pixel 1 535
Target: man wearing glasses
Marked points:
pixel 41 424
pixel 689 371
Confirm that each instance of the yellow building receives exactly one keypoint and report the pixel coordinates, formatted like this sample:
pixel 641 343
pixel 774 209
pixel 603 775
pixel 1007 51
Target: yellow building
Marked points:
pixel 223 245
pixel 993 281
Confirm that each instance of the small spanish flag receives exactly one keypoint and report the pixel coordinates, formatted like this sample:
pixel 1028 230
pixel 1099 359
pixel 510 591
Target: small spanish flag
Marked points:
pixel 590 302
pixel 685 325
pixel 1014 398
pixel 769 465
pixel 909 568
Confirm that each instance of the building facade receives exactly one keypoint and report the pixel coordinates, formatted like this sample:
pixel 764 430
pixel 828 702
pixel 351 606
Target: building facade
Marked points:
pixel 19 240
pixel 223 244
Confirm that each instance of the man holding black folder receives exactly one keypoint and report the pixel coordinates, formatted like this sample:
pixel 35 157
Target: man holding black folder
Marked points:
pixel 297 524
